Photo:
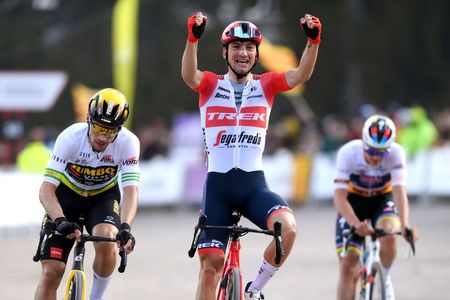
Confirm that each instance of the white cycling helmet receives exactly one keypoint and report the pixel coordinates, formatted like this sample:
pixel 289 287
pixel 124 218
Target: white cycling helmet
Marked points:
pixel 378 132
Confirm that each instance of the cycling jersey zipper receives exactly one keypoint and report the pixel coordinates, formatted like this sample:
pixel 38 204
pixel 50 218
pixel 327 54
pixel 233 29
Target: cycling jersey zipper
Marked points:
pixel 236 150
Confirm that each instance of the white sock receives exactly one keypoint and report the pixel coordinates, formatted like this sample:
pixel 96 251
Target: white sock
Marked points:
pixel 99 286
pixel 385 271
pixel 266 271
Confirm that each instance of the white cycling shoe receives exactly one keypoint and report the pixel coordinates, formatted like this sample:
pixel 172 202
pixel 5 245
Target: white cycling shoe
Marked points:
pixel 252 295
pixel 390 294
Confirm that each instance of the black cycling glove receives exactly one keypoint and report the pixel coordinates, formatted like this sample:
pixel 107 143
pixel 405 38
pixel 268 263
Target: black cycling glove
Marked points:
pixel 194 31
pixel 314 33
pixel 124 235
pixel 65 227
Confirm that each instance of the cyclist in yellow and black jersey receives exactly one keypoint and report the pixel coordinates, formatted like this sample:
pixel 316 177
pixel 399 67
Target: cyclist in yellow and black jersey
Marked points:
pixel 82 182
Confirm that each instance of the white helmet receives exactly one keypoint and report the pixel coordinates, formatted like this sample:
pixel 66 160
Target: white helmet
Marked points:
pixel 378 132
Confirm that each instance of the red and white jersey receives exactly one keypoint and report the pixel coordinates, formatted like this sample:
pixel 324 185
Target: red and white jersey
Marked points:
pixel 236 139
pixel 357 176
pixel 88 172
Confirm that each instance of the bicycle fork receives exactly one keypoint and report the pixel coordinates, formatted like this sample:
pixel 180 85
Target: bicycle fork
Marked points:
pixel 367 277
pixel 232 262
pixel 77 267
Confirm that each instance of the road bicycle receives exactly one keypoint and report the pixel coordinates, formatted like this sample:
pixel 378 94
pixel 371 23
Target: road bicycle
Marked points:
pixel 230 287
pixel 76 280
pixel 370 283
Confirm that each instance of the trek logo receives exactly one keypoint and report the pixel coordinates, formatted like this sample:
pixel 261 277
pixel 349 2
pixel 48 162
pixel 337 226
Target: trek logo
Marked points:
pixel 254 116
pixel 210 244
pixel 226 139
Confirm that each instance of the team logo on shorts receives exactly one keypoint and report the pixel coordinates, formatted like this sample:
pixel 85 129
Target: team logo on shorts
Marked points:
pixel 55 252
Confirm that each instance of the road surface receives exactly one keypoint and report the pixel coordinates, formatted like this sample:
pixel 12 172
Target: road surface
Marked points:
pixel 160 268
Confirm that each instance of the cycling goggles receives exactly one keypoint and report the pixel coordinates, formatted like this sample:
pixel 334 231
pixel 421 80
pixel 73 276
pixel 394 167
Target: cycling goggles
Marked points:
pixel 107 132
pixel 376 152
pixel 237 32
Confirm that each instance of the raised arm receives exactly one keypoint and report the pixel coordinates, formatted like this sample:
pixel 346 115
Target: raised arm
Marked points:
pixel 312 28
pixel 189 67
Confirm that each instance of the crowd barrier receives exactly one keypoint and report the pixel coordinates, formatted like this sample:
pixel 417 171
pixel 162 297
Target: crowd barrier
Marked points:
pixel 178 180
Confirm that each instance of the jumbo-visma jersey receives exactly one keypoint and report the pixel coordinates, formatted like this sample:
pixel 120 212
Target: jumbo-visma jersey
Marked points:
pixel 357 176
pixel 236 139
pixel 87 172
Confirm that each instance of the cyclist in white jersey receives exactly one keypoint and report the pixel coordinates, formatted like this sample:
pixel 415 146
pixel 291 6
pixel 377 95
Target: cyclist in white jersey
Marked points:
pixel 370 184
pixel 235 110
pixel 81 185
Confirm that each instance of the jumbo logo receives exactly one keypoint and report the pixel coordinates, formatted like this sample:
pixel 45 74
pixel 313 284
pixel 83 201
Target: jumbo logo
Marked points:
pixel 83 170
pixel 91 176
pixel 254 116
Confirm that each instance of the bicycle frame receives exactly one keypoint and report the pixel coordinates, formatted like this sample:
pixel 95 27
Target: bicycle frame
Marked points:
pixel 370 262
pixel 232 263
pixel 77 268
pixel 76 279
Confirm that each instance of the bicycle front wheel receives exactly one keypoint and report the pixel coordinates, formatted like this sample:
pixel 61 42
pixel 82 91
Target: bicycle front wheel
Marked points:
pixel 75 289
pixel 375 286
pixel 360 286
pixel 233 287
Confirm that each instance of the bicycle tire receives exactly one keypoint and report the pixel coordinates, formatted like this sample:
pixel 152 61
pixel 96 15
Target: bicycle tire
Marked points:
pixel 233 288
pixel 376 284
pixel 76 287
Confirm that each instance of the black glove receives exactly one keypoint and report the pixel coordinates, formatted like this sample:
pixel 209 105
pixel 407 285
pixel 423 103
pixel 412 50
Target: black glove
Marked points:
pixel 313 34
pixel 124 235
pixel 194 31
pixel 65 227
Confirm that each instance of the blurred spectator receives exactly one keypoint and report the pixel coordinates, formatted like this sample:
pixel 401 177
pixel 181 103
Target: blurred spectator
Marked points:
pixel 12 138
pixel 417 132
pixel 154 139
pixel 335 133
pixel 366 110
pixel 442 122
pixel 310 138
pixel 35 156
pixel 283 134
pixel 354 130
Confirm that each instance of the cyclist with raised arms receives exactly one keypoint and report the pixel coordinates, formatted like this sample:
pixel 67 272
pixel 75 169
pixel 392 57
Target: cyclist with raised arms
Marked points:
pixel 235 110
pixel 370 184
pixel 81 181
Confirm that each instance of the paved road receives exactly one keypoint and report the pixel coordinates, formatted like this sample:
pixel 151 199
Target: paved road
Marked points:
pixel 161 269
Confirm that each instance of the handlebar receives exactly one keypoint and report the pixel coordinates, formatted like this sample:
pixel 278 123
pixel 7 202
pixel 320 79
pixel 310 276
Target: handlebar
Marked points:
pixel 83 239
pixel 378 232
pixel 238 231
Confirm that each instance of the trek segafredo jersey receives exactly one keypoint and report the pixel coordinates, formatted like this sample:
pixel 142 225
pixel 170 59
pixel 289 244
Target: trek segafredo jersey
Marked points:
pixel 87 172
pixel 236 139
pixel 357 176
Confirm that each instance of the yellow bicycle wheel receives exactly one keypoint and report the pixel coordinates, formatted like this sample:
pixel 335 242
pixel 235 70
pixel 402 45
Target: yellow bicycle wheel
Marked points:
pixel 76 286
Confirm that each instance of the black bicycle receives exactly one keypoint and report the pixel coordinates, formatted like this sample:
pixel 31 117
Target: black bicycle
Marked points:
pixel 76 280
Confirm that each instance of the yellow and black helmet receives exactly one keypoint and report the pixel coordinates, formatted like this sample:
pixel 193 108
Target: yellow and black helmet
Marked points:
pixel 108 107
